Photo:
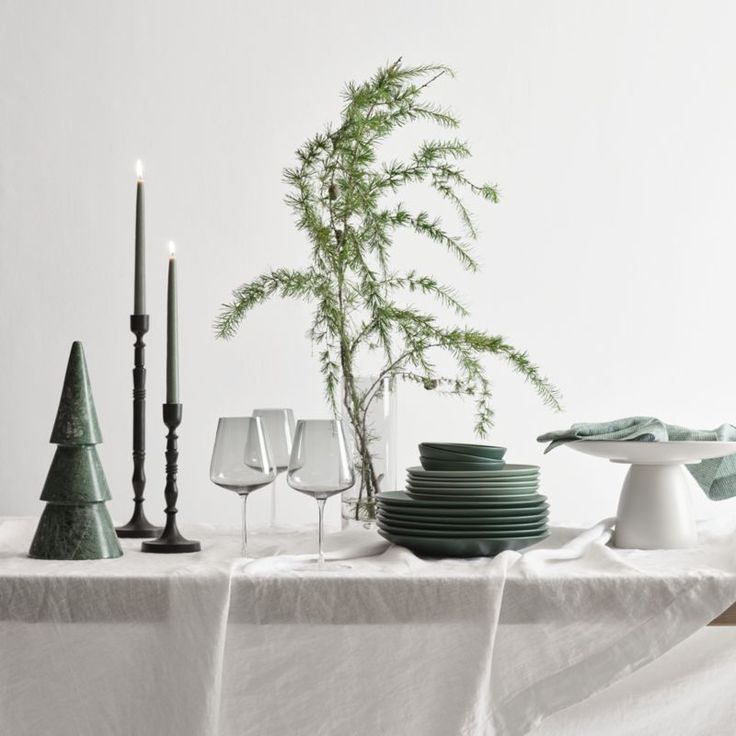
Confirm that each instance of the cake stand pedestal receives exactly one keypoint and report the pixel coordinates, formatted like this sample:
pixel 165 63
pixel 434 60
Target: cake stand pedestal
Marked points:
pixel 655 506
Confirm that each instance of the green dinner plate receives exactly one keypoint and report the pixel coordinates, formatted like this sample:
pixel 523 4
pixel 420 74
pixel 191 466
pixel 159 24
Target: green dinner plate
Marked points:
pixel 491 452
pixel 453 499
pixel 497 516
pixel 467 515
pixel 401 498
pixel 509 470
pixel 453 534
pixel 526 480
pixel 437 547
pixel 519 480
pixel 479 529
pixel 471 491
pixel 455 465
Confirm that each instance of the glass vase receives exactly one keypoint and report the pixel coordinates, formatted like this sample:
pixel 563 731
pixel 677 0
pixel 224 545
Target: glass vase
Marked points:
pixel 373 434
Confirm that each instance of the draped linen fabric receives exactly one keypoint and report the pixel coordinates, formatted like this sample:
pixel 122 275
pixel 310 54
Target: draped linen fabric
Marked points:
pixel 209 645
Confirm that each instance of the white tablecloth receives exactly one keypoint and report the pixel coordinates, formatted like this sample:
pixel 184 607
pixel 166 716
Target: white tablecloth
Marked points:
pixel 206 645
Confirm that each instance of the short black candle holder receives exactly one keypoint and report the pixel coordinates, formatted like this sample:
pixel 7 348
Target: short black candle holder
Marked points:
pixel 171 540
pixel 139 527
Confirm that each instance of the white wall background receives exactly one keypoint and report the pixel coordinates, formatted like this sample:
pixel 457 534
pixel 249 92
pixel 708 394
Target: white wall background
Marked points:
pixel 610 127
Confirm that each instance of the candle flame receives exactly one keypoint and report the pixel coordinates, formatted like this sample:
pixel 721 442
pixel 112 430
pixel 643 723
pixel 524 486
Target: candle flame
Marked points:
pixel 172 249
pixel 139 169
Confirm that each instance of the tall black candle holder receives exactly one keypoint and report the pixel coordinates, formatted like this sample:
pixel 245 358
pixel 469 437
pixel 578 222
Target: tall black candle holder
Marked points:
pixel 171 540
pixel 138 526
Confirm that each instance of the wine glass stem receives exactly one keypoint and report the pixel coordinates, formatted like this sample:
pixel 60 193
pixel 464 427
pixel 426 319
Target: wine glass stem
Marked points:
pixel 244 541
pixel 321 558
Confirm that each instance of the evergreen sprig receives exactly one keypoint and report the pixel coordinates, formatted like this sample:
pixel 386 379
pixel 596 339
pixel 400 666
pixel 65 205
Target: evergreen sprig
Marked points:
pixel 338 193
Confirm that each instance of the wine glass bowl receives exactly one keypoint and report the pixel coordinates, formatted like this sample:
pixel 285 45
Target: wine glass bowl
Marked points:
pixel 279 427
pixel 242 461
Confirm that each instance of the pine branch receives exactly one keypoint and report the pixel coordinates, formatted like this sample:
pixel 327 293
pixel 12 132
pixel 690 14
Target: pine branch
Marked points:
pixel 281 282
pixel 337 191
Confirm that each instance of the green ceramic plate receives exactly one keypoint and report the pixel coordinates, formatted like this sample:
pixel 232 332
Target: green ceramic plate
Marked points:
pixel 454 465
pixel 435 547
pixel 453 499
pixel 479 529
pixel 519 480
pixel 480 515
pixel 489 451
pixel 522 480
pixel 509 470
pixel 455 534
pixel 401 498
pixel 471 491
pixel 496 516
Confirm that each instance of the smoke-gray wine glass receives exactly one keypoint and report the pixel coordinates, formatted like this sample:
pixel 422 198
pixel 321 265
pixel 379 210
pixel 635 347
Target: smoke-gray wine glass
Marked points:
pixel 242 460
pixel 320 465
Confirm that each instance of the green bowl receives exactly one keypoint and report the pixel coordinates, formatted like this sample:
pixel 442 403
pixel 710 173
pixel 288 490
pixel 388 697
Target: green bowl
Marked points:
pixel 491 452
pixel 454 465
pixel 438 547
pixel 436 453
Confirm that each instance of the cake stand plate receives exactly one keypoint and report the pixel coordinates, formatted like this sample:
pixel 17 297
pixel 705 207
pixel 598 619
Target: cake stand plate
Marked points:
pixel 655 507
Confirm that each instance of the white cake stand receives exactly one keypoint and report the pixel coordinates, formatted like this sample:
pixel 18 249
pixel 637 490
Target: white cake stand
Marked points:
pixel 655 507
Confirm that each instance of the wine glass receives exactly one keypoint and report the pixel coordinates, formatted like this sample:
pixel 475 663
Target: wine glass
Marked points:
pixel 242 460
pixel 320 465
pixel 279 426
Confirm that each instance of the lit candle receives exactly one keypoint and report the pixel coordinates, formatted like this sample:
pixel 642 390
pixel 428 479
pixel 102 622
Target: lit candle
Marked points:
pixel 172 337
pixel 139 299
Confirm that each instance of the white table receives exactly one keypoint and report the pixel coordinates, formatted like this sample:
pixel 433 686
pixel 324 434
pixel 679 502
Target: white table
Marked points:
pixel 394 645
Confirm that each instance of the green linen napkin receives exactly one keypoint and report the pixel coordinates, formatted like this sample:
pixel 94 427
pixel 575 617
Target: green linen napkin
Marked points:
pixel 716 477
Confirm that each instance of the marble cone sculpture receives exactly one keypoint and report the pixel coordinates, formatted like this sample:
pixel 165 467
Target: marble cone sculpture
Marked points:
pixel 75 524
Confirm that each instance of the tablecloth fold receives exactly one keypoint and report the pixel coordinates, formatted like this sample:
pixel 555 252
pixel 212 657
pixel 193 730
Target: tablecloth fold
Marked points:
pixel 392 644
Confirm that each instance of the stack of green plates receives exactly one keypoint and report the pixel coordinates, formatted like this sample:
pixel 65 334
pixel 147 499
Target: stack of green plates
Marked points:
pixel 465 513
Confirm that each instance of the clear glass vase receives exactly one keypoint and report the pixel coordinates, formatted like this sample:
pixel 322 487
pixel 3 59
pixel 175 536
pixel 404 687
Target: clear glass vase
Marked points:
pixel 373 437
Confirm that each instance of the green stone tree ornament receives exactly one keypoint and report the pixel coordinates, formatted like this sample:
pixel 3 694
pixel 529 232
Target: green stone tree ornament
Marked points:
pixel 75 524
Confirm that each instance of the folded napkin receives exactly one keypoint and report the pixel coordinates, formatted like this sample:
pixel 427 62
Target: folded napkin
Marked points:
pixel 717 477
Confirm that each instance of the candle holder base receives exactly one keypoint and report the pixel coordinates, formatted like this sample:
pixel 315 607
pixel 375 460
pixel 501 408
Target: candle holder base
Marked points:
pixel 171 540
pixel 138 528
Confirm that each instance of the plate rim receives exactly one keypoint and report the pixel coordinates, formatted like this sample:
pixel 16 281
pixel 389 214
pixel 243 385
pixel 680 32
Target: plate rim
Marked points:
pixel 510 468
pixel 451 534
pixel 481 539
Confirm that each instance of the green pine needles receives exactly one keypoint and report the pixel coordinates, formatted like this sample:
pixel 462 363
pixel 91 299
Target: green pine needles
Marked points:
pixel 347 202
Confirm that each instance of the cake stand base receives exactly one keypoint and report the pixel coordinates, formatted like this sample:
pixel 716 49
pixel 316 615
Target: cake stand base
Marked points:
pixel 655 509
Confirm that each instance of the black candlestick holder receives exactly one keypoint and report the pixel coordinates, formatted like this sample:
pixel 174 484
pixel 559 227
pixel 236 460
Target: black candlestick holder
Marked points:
pixel 171 540
pixel 138 526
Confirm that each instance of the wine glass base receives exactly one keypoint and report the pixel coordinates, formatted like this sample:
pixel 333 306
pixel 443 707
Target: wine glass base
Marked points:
pixel 313 566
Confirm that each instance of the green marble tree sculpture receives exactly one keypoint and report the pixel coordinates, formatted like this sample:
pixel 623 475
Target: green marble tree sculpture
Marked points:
pixel 75 524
